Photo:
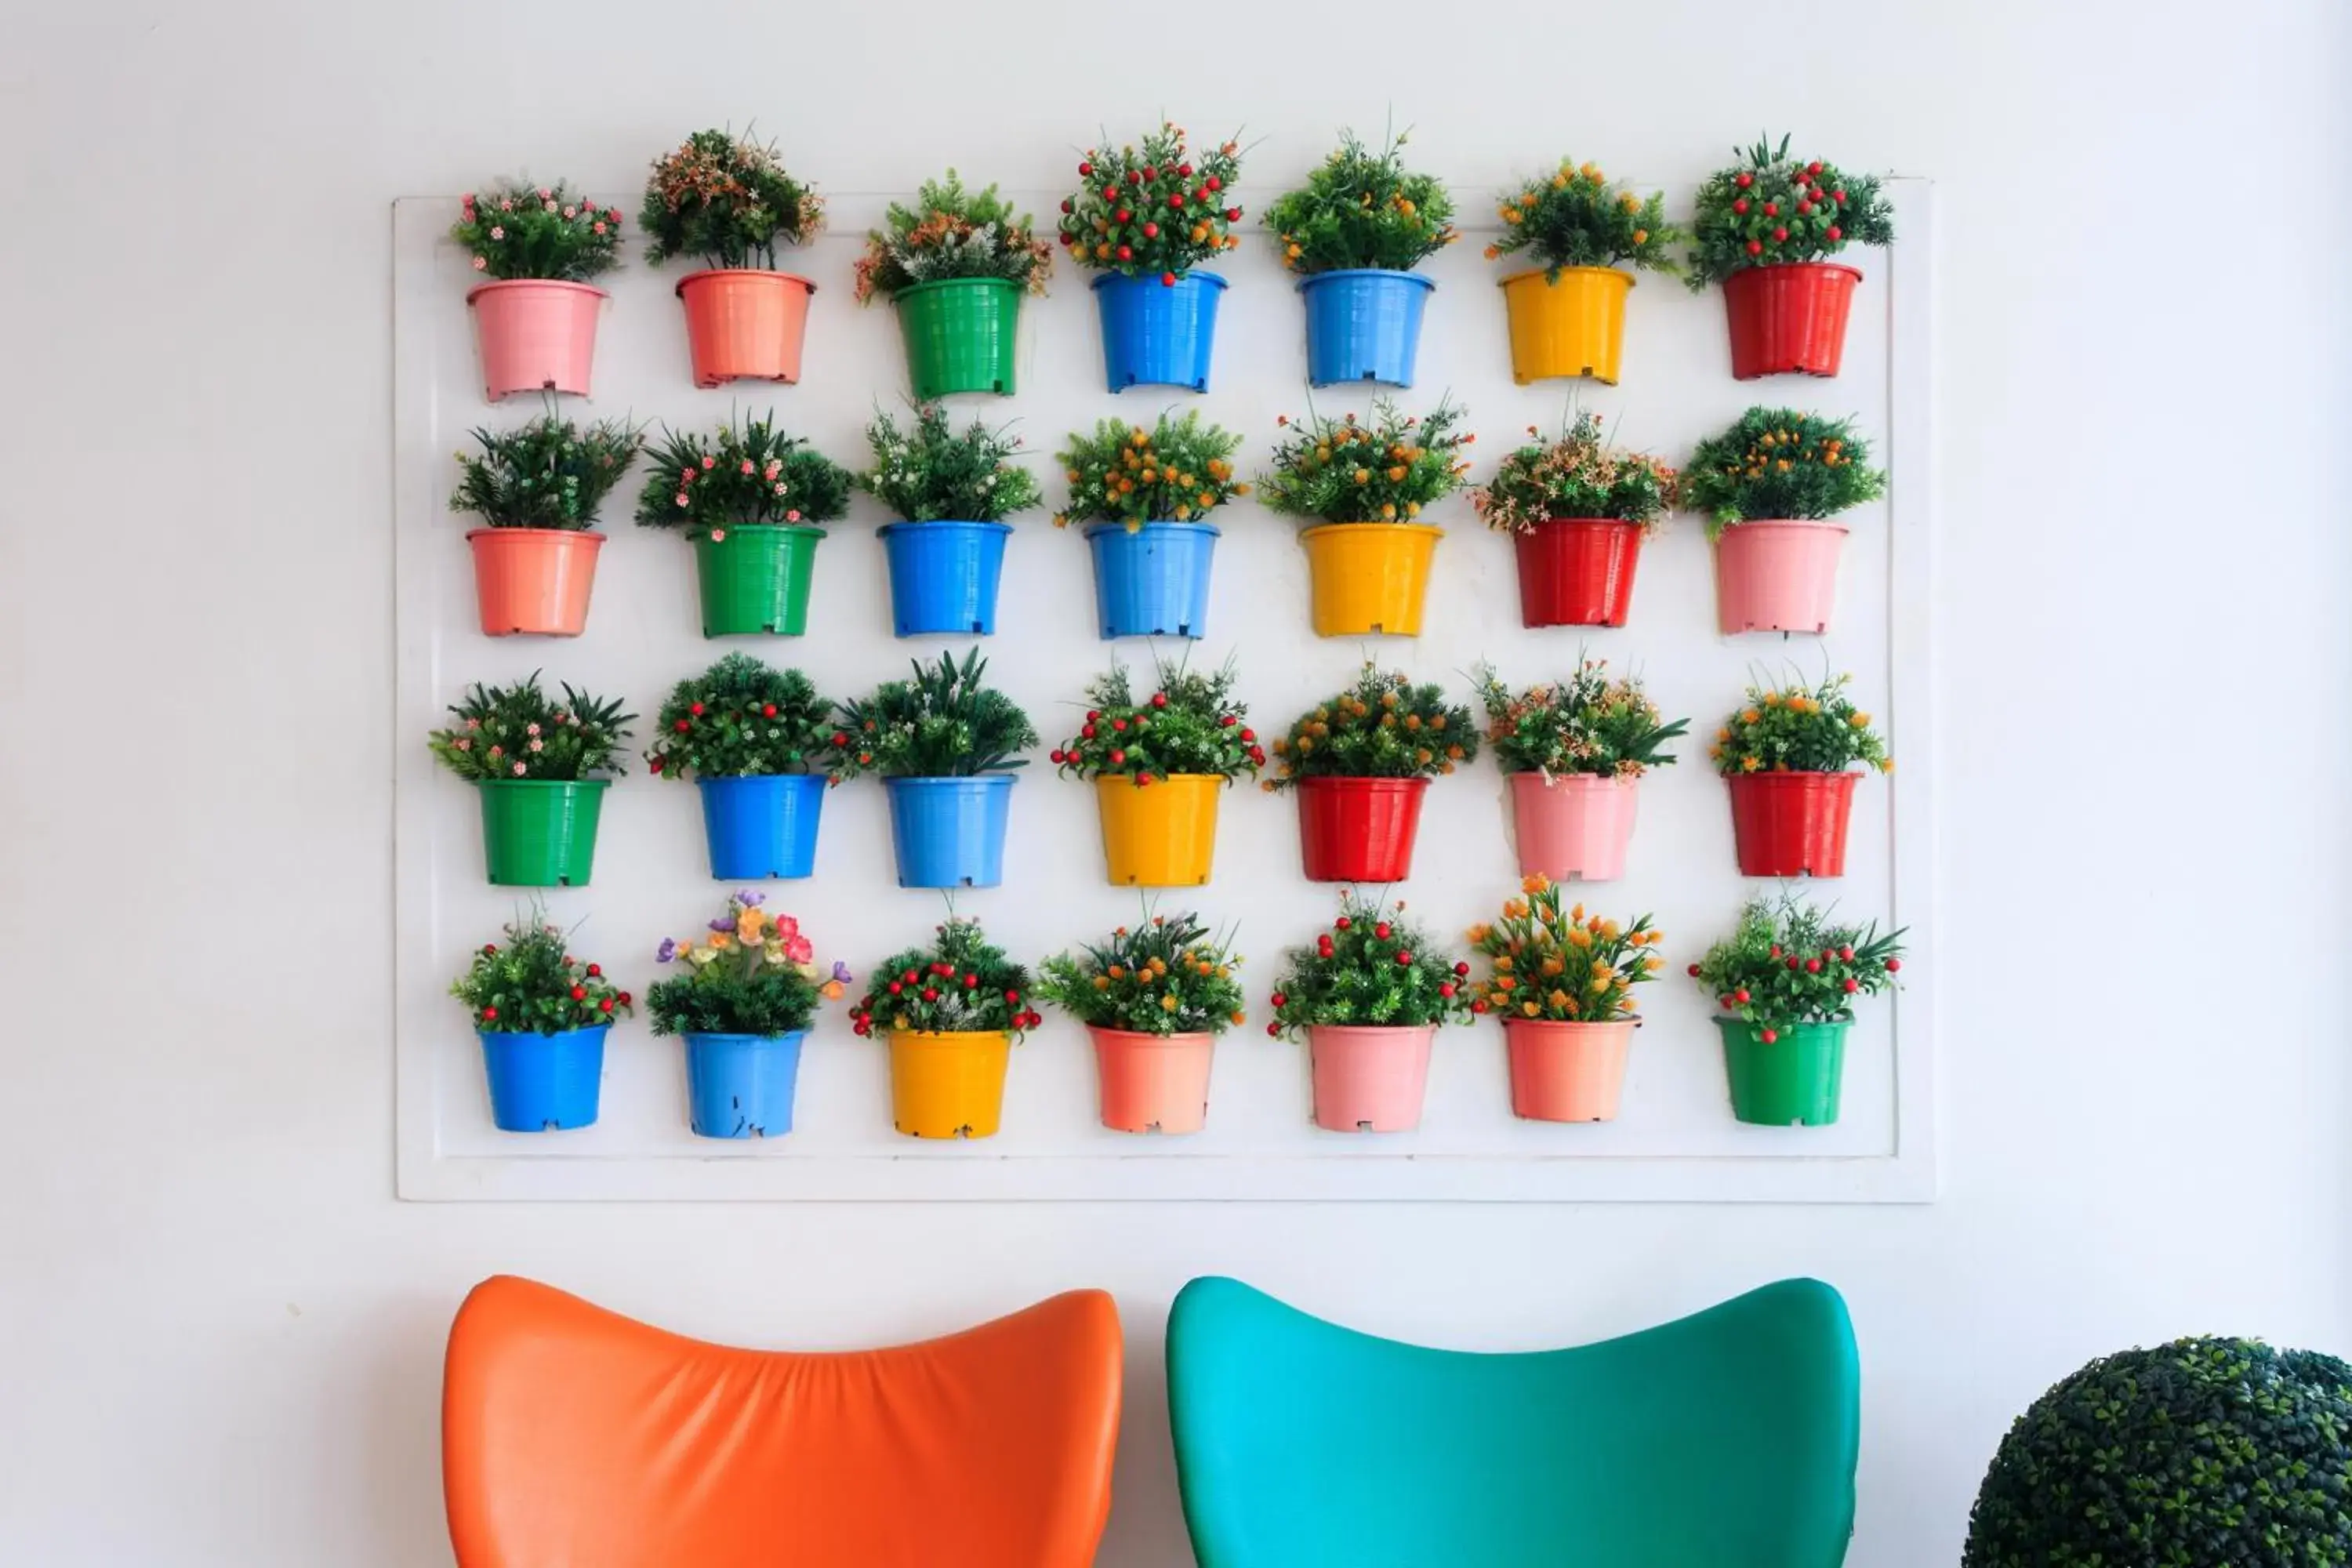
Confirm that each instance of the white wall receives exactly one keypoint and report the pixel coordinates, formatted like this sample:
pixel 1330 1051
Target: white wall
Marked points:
pixel 219 1334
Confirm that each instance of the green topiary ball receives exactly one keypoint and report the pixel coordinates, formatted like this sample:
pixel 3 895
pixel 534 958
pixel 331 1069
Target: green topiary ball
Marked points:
pixel 2203 1452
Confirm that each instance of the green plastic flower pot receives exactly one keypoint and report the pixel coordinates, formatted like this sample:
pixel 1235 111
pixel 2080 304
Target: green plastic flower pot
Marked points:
pixel 755 579
pixel 1791 1080
pixel 960 334
pixel 539 833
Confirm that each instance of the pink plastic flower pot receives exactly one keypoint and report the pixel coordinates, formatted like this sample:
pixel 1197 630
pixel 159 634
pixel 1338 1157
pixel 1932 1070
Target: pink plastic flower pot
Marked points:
pixel 1777 575
pixel 1567 1072
pixel 1573 824
pixel 1154 1083
pixel 537 334
pixel 1369 1079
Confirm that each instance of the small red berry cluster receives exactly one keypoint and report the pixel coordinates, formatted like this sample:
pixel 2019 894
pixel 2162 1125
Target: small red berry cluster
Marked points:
pixel 1369 969
pixel 1153 209
pixel 1156 739
pixel 1787 985
pixel 1770 208
pixel 961 983
pixel 532 986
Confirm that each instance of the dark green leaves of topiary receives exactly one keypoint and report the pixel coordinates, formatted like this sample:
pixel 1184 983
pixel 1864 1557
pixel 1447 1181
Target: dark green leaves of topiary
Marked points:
pixel 942 724
pixel 932 472
pixel 727 200
pixel 1359 208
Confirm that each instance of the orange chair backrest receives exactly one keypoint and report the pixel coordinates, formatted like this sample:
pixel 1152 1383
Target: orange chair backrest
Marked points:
pixel 573 1438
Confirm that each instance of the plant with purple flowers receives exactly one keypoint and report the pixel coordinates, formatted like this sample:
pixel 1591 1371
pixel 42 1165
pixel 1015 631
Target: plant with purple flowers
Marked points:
pixel 751 974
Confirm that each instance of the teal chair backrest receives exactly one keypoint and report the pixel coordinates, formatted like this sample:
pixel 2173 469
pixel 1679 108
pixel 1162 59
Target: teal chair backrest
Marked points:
pixel 1723 1440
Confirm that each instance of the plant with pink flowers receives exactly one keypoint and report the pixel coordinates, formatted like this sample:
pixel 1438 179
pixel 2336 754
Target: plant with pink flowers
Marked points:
pixel 750 473
pixel 515 229
pixel 519 732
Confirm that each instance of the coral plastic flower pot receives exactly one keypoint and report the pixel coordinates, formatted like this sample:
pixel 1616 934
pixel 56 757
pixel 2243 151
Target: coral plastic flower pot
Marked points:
pixel 1574 325
pixel 1793 1080
pixel 1369 1079
pixel 537 334
pixel 761 825
pixel 1790 824
pixel 755 579
pixel 1567 1072
pixel 1789 318
pixel 1155 333
pixel 947 1085
pixel 1154 1083
pixel 539 833
pixel 1359 831
pixel 960 334
pixel 1363 324
pixel 1152 582
pixel 1777 575
pixel 1159 834
pixel 1573 826
pixel 944 576
pixel 950 832
pixel 1578 571
pixel 744 324
pixel 533 582
pixel 544 1083
pixel 1369 578
pixel 741 1086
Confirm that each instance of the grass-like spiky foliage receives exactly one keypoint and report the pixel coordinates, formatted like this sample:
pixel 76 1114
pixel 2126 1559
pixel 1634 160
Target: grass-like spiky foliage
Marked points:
pixel 1171 975
pixel 1578 476
pixel 1588 723
pixel 1361 208
pixel 944 723
pixel 750 474
pixel 1382 727
pixel 1778 463
pixel 549 473
pixel 518 230
pixel 726 199
pixel 749 973
pixel 1561 966
pixel 930 470
pixel 518 732
pixel 741 718
pixel 532 985
pixel 1157 210
pixel 1799 728
pixel 1190 723
pixel 1179 471
pixel 951 232
pixel 1384 471
pixel 961 982
pixel 1373 968
pixel 1789 963
pixel 1770 208
pixel 1574 217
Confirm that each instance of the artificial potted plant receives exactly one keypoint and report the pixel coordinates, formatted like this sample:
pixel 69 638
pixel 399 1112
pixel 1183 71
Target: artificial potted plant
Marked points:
pixel 1144 220
pixel 1362 489
pixel 746 991
pixel 951 490
pixel 1770 489
pixel 946 747
pixel 1568 314
pixel 542 1016
pixel 759 742
pixel 1788 756
pixel 950 1012
pixel 1368 995
pixel 1764 228
pixel 1157 763
pixel 536 489
pixel 539 768
pixel 1562 981
pixel 1574 753
pixel 1361 761
pixel 1785 984
pixel 1577 510
pixel 955 264
pixel 727 200
pixel 753 500
pixel 1353 233
pixel 535 318
pixel 1144 499
pixel 1153 999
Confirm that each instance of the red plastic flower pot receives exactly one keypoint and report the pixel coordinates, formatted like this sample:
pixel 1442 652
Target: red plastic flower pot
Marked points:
pixel 1789 319
pixel 1791 824
pixel 1359 831
pixel 1578 571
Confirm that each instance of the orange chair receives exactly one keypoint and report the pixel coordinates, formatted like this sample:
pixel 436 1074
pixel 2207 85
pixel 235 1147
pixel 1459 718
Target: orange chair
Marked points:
pixel 573 1438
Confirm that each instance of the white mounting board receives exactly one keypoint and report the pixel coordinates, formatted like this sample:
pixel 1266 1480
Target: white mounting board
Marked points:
pixel 1675 1140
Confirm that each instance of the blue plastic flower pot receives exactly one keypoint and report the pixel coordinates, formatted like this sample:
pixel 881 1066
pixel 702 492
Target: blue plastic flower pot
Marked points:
pixel 943 577
pixel 543 1083
pixel 1363 324
pixel 1153 583
pixel 1155 333
pixel 949 833
pixel 740 1086
pixel 763 825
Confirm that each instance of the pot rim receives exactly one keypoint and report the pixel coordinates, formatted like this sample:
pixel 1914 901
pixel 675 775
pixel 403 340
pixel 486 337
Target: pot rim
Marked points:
pixel 1321 528
pixel 990 284
pixel 902 524
pixel 740 272
pixel 1427 283
pixel 1008 780
pixel 1810 522
pixel 1795 773
pixel 1720 1019
pixel 1182 1036
pixel 795 1034
pixel 1382 1029
pixel 540 1035
pixel 542 783
pixel 480 289
pixel 584 533
pixel 1105 278
pixel 1186 526
pixel 701 778
pixel 1545 273
pixel 1384 784
pixel 958 1037
pixel 1101 779
pixel 1798 267
pixel 1553 781
pixel 1634 1023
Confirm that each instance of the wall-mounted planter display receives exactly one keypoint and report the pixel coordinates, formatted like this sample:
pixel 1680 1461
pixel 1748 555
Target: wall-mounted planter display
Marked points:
pixel 1573 826
pixel 537 334
pixel 761 826
pixel 534 581
pixel 1567 1072
pixel 1154 580
pixel 1154 1083
pixel 950 832
pixel 544 1083
pixel 960 334
pixel 1359 831
pixel 1777 575
pixel 1363 324
pixel 1369 1080
pixel 1159 834
pixel 1789 319
pixel 1571 325
pixel 1791 824
pixel 741 1086
pixel 754 579
pixel 944 576
pixel 1156 334
pixel 1369 578
pixel 1792 1079
pixel 1578 571
pixel 745 325
pixel 948 1084
pixel 540 832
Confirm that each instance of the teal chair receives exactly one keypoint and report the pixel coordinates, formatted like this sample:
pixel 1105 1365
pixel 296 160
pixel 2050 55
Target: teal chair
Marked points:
pixel 1723 1440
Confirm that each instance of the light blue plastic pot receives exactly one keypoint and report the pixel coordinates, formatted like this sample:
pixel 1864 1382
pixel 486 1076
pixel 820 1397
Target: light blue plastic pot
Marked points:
pixel 1155 333
pixel 1153 583
pixel 740 1086
pixel 949 833
pixel 944 576
pixel 1363 324
pixel 544 1083
pixel 761 826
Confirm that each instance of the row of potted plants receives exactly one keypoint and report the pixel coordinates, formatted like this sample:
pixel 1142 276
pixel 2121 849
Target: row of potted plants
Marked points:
pixel 1367 996
pixel 761 745
pixel 1145 218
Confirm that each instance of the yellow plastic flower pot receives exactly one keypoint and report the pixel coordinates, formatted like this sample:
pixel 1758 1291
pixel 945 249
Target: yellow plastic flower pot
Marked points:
pixel 1574 325
pixel 947 1085
pixel 1369 577
pixel 1159 834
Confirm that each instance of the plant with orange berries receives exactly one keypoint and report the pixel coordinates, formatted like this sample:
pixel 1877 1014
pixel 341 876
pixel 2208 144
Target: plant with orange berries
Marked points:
pixel 1788 964
pixel 1361 209
pixel 1778 463
pixel 1382 727
pixel 1385 470
pixel 1798 730
pixel 1561 967
pixel 1157 209
pixel 1178 471
pixel 1170 977
pixel 1769 209
pixel 1575 217
pixel 1372 969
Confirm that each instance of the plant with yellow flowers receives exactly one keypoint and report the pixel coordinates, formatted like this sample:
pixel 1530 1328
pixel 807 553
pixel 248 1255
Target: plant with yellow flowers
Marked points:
pixel 1384 470
pixel 1798 730
pixel 1178 471
pixel 1575 217
pixel 1168 977
pixel 1561 966
pixel 1361 209
pixel 1778 463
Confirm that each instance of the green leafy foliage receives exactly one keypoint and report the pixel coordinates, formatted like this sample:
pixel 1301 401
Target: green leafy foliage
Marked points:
pixel 518 230
pixel 2196 1454
pixel 741 718
pixel 532 984
pixel 749 972
pixel 750 474
pixel 1575 217
pixel 518 731
pixel 1373 968
pixel 1337 470
pixel 1789 963
pixel 1768 209
pixel 1580 475
pixel 1561 966
pixel 944 723
pixel 962 982
pixel 1779 463
pixel 930 472
pixel 1361 208
pixel 1588 723
pixel 549 473
pixel 1799 728
pixel 1153 209
pixel 1168 977
pixel 1178 471
pixel 1189 725
pixel 727 200
pixel 1382 727
pixel 950 232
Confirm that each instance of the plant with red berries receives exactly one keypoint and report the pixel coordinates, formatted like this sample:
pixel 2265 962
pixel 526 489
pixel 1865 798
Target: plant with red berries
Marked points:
pixel 1178 471
pixel 959 983
pixel 741 718
pixel 1361 209
pixel 1156 210
pixel 1770 208
pixel 1788 964
pixel 1385 470
pixel 1561 967
pixel 519 230
pixel 1190 725
pixel 1373 968
pixel 1382 727
pixel 750 973
pixel 530 985
pixel 1799 728
pixel 1169 977
pixel 1575 217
